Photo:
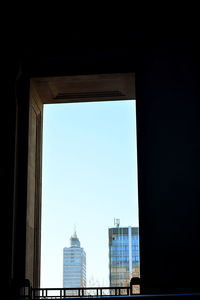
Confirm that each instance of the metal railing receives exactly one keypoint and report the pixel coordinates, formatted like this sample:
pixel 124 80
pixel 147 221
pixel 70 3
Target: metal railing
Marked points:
pixel 62 293
pixel 28 292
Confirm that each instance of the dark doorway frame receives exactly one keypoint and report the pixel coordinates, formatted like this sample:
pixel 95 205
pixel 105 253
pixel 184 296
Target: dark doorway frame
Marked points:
pixel 48 90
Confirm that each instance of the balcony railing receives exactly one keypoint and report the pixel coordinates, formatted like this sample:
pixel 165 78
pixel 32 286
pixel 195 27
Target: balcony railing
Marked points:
pixel 62 293
pixel 28 292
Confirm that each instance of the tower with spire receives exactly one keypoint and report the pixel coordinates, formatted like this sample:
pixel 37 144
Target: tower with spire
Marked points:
pixel 74 240
pixel 74 264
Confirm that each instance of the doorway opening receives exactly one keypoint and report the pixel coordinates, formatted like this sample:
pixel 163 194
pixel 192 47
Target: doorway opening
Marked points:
pixel 89 179
pixel 85 170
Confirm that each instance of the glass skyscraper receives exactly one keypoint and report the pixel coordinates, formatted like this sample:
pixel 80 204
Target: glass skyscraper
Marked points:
pixel 124 260
pixel 74 264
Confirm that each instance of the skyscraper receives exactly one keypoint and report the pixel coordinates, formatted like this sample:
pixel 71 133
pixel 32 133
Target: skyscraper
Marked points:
pixel 74 264
pixel 124 260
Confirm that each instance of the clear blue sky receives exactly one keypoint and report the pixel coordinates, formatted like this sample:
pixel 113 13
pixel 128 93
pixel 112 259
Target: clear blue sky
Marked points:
pixel 89 178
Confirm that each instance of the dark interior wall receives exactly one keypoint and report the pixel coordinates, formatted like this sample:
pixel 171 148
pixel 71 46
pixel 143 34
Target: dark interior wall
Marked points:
pixel 167 89
pixel 168 106
pixel 14 131
pixel 8 129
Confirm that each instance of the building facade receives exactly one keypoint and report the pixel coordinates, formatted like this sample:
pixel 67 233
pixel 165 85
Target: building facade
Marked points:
pixel 74 264
pixel 124 260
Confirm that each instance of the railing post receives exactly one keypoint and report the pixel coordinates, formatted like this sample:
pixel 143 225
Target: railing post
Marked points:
pixel 30 292
pixel 128 289
pixel 134 281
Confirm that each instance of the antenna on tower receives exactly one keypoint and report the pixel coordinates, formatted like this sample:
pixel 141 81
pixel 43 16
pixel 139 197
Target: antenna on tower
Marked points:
pixel 116 222
pixel 75 235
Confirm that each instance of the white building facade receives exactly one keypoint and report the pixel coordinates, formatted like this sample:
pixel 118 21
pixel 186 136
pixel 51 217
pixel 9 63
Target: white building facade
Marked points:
pixel 74 264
